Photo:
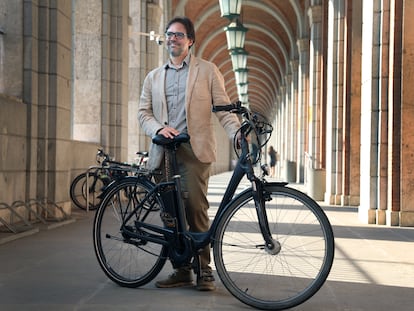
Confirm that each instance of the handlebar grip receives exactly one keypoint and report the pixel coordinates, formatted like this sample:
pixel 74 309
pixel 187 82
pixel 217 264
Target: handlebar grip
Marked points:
pixel 230 107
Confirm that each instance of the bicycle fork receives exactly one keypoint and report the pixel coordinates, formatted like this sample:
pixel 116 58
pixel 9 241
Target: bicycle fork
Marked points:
pixel 271 246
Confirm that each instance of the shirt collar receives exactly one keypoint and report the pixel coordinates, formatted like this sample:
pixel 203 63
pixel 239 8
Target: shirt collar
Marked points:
pixel 186 61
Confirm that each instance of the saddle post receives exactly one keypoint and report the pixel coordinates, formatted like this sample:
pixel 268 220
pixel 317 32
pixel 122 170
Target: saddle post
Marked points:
pixel 174 215
pixel 172 174
pixel 170 163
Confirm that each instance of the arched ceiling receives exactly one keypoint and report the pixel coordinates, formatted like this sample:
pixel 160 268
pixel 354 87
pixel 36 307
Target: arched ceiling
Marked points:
pixel 271 42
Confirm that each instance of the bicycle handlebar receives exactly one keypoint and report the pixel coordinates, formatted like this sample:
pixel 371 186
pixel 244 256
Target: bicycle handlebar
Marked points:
pixel 233 107
pixel 253 124
pixel 255 121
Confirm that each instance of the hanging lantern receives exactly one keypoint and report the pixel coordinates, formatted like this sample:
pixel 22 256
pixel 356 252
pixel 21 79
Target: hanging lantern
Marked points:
pixel 242 88
pixel 244 98
pixel 241 75
pixel 238 58
pixel 235 34
pixel 230 8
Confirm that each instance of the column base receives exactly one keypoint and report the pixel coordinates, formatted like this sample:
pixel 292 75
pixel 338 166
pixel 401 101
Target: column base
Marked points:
pixel 367 216
pixel 385 217
pixel 349 200
pixel 407 219
pixel 290 171
pixel 381 217
pixel 316 184
pixel 392 218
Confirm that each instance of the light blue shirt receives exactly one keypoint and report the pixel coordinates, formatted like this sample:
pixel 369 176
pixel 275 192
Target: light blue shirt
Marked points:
pixel 175 91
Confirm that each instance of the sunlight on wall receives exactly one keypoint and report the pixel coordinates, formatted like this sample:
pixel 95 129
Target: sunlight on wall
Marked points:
pixel 87 86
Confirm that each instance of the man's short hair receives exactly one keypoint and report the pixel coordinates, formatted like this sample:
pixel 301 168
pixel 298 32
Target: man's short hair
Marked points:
pixel 187 23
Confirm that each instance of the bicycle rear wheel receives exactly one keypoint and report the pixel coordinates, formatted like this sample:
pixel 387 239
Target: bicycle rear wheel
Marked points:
pixel 78 190
pixel 128 261
pixel 279 280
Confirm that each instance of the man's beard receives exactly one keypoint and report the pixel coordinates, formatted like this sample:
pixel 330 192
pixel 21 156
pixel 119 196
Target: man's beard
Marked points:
pixel 177 51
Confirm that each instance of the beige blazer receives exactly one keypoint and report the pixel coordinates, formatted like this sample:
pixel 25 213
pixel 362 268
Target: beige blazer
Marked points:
pixel 205 87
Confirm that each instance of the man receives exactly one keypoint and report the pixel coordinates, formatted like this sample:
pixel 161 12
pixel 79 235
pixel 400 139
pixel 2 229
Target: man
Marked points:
pixel 178 97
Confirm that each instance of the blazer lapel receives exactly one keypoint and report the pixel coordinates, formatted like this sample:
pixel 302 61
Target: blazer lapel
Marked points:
pixel 192 77
pixel 163 98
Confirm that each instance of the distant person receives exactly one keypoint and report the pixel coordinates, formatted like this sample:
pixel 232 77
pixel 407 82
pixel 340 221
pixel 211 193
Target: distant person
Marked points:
pixel 273 158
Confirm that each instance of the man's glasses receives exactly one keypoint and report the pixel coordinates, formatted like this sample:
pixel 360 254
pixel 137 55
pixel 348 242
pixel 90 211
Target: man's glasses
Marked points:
pixel 178 35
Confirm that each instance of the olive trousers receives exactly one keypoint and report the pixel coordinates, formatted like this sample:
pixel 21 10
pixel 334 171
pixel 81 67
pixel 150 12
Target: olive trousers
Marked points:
pixel 194 181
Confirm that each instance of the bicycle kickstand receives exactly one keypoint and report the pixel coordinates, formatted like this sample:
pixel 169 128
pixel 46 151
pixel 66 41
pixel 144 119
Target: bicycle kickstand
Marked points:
pixel 196 265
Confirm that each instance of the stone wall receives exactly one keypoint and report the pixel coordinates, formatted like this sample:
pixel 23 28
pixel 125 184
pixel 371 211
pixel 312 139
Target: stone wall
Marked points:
pixel 13 111
pixel 40 153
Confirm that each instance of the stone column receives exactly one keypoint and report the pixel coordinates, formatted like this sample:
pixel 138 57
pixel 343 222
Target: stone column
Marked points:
pixel 369 111
pixel 407 117
pixel 352 108
pixel 279 130
pixel 144 55
pixel 87 70
pixel 289 108
pixel 335 94
pixel 282 130
pixel 394 120
pixel 288 116
pixel 303 69
pixel 47 92
pixel 383 113
pixel 315 176
pixel 114 132
pixel 294 64
pixel 136 60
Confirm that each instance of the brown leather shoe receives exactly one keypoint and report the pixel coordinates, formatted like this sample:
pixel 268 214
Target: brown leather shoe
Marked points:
pixel 179 278
pixel 205 282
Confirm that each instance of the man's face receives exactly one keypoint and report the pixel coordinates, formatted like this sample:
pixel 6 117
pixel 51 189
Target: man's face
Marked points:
pixel 177 46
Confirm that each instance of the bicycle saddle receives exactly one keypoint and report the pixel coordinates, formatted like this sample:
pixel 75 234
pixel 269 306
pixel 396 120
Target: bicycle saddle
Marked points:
pixel 171 142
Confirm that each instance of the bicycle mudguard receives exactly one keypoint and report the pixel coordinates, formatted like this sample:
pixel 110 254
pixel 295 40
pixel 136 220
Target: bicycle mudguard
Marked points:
pixel 275 183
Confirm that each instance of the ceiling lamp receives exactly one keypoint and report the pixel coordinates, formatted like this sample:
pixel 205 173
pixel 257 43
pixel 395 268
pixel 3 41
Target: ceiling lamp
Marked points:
pixel 235 34
pixel 238 58
pixel 230 8
pixel 242 88
pixel 244 98
pixel 241 75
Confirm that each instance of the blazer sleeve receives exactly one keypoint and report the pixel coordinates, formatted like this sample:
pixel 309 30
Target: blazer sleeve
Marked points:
pixel 148 113
pixel 229 121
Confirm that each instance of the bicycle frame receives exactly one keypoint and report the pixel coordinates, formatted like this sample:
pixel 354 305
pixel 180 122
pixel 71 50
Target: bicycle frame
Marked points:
pixel 273 246
pixel 183 243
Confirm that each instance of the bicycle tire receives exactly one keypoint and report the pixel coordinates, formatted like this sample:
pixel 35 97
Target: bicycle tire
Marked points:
pixel 274 281
pixel 127 261
pixel 78 193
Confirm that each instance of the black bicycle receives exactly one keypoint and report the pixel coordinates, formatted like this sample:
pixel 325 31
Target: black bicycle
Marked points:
pixel 273 245
pixel 89 185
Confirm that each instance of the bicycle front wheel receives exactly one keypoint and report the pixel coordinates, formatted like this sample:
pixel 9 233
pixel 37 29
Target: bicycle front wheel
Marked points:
pixel 128 261
pixel 274 280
